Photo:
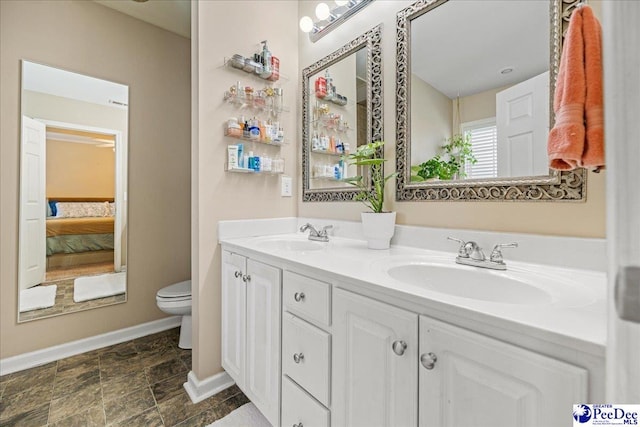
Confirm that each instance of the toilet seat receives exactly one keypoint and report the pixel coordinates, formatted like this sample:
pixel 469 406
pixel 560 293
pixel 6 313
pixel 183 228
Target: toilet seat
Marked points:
pixel 176 292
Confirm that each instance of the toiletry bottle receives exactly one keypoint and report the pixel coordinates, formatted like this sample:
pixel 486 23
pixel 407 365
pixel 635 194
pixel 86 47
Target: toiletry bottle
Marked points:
pixel 251 164
pixel 232 157
pixel 321 87
pixel 245 130
pixel 256 163
pixel 275 69
pixel 266 61
pixel 241 156
pixel 329 84
pixel 277 99
pixel 280 135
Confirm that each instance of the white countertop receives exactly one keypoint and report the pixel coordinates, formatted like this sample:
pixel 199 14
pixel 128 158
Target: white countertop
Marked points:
pixel 575 317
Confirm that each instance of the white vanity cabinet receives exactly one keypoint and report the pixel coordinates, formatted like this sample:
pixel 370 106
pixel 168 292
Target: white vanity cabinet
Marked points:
pixel 251 330
pixel 458 378
pixel 468 379
pixel 375 349
pixel 312 348
pixel 306 351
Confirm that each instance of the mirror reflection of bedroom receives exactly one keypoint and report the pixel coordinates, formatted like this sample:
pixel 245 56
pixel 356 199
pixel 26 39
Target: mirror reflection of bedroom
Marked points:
pixel 73 192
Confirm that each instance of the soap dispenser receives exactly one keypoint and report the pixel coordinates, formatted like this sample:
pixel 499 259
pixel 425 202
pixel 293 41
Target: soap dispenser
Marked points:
pixel 266 61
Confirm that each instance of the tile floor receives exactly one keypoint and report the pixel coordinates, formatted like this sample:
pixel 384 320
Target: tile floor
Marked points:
pixel 64 302
pixel 136 383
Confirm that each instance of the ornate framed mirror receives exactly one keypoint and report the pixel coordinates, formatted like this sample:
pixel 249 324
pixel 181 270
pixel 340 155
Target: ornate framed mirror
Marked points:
pixel 341 109
pixel 474 91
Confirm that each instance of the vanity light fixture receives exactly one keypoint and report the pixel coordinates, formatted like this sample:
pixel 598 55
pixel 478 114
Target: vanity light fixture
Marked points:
pixel 329 18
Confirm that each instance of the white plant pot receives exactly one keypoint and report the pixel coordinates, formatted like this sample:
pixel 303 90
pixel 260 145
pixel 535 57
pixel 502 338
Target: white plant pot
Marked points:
pixel 378 229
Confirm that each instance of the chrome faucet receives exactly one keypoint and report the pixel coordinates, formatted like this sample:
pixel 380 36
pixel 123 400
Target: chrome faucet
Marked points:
pixel 469 253
pixel 319 236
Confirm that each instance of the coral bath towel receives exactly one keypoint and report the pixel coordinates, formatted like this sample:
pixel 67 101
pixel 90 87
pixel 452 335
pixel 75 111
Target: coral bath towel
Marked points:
pixel 577 139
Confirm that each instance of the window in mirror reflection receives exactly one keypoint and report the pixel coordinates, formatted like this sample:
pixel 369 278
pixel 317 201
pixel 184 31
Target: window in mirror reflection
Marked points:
pixel 338 123
pixel 480 90
pixel 73 221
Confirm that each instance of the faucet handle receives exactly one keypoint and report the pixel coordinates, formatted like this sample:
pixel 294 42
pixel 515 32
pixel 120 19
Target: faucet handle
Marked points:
pixel 462 251
pixel 325 228
pixel 496 253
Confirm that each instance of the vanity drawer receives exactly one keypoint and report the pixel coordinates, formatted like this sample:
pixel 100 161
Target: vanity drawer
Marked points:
pixel 305 356
pixel 307 297
pixel 299 408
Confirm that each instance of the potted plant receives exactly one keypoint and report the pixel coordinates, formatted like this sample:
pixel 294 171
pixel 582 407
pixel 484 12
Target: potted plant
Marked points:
pixel 458 151
pixel 378 226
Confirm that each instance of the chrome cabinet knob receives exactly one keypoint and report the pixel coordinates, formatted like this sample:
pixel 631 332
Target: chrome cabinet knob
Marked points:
pixel 298 357
pixel 298 425
pixel 246 278
pixel 237 274
pixel 399 347
pixel 428 360
pixel 299 296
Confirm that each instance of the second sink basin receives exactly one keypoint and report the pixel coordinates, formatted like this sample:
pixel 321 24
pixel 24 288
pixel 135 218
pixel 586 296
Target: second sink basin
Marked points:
pixel 470 282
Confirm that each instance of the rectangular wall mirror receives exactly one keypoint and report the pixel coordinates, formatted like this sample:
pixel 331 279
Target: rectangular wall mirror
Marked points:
pixel 475 82
pixel 341 110
pixel 73 192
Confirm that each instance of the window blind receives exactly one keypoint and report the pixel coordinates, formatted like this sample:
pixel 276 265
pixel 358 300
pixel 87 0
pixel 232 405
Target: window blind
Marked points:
pixel 484 144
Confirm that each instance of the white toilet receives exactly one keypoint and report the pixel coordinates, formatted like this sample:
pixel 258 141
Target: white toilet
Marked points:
pixel 176 299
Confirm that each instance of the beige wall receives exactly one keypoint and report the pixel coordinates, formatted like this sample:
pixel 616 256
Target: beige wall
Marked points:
pixel 88 38
pixel 565 219
pixel 216 194
pixel 79 170
pixel 431 125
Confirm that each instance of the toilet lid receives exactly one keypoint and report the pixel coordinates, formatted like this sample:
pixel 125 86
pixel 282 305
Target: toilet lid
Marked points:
pixel 182 289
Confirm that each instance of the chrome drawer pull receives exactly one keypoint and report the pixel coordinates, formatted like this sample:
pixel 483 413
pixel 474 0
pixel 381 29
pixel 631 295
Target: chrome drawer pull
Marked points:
pixel 298 357
pixel 298 296
pixel 428 360
pixel 399 347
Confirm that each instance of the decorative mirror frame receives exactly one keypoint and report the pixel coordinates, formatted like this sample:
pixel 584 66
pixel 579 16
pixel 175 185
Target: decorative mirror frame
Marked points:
pixel 568 186
pixel 372 39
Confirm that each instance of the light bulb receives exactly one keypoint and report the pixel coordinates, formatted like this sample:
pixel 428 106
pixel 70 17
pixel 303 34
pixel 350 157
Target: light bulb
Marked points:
pixel 306 24
pixel 341 2
pixel 322 11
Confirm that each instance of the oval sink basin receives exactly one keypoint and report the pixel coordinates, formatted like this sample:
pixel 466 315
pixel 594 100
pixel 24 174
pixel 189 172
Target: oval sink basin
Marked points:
pixel 291 245
pixel 470 282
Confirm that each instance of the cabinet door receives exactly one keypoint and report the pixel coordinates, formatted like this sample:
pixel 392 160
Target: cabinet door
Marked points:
pixel 233 316
pixel 262 384
pixel 479 381
pixel 371 384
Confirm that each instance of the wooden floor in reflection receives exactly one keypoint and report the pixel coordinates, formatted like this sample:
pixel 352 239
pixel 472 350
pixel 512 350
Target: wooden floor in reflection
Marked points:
pixel 78 271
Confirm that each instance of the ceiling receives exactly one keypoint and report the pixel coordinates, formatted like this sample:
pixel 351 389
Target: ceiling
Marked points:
pixel 53 81
pixel 460 47
pixel 172 15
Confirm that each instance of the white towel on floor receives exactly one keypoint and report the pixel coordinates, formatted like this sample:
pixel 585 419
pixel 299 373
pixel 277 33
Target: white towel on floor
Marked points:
pixel 104 285
pixel 245 416
pixel 37 297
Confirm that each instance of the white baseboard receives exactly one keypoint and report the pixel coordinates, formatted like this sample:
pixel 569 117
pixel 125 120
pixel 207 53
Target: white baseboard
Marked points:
pixel 50 354
pixel 200 390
